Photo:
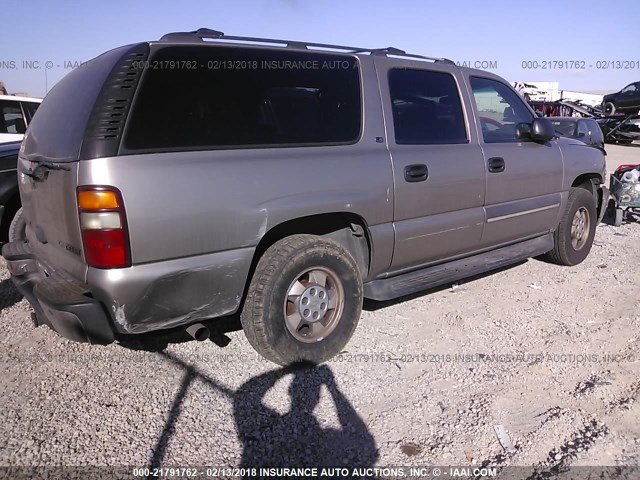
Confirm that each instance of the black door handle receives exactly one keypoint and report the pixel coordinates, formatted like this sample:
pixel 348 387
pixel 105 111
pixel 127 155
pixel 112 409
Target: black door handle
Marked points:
pixel 416 173
pixel 496 164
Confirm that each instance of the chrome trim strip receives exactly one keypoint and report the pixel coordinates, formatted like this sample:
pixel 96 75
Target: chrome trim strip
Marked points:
pixel 511 215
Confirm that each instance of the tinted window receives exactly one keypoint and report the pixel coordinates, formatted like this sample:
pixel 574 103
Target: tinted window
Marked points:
pixel 57 131
pixel 500 109
pixel 245 96
pixel 564 127
pixel 30 108
pixel 583 129
pixel 426 107
pixel 595 131
pixel 11 120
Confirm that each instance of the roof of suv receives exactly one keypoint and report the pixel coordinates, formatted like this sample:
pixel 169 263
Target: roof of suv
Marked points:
pixel 208 34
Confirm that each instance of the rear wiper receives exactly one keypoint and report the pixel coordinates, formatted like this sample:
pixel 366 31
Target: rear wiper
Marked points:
pixel 41 171
pixel 49 165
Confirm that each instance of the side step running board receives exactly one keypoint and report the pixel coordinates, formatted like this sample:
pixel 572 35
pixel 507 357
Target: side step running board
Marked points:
pixel 412 282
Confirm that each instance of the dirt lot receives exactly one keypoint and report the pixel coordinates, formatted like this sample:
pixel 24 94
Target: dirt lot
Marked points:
pixel 550 353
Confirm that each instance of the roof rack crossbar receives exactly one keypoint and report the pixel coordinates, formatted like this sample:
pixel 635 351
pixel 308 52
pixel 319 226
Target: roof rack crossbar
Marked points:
pixel 207 33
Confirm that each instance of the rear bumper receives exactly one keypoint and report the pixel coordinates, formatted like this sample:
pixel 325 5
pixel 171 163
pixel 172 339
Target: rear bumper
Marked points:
pixel 65 305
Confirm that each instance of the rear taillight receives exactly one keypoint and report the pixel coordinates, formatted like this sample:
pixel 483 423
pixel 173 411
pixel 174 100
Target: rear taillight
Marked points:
pixel 104 227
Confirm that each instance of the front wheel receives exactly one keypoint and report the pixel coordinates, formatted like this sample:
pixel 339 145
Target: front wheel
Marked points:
pixel 304 300
pixel 574 235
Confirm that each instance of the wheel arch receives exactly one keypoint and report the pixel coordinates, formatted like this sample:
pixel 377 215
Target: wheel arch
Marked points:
pixel 591 182
pixel 348 229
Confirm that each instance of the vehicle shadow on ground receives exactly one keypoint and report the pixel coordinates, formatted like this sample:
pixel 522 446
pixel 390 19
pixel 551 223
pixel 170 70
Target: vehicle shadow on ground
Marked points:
pixel 293 439
pixel 9 294
pixel 158 340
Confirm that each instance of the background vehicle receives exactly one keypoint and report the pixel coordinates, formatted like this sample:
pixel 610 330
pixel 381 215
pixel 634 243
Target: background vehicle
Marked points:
pixel 15 115
pixel 625 101
pixel 530 92
pixel 584 129
pixel 619 129
pixel 267 187
pixel 11 222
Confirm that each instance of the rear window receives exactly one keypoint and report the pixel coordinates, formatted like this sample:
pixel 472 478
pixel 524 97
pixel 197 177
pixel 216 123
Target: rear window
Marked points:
pixel 215 97
pixel 58 129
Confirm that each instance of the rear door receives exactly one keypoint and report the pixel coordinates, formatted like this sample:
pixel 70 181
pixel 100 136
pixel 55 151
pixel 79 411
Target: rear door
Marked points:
pixel 524 178
pixel 438 169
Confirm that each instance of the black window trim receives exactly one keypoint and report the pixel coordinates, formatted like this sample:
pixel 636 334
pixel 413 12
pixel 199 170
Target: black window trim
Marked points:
pixel 123 150
pixel 465 117
pixel 477 112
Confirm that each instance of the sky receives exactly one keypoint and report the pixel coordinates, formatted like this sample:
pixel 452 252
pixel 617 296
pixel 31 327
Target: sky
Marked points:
pixel 44 40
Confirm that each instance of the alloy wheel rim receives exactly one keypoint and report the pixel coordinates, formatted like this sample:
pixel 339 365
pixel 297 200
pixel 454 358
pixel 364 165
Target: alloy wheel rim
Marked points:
pixel 580 226
pixel 313 305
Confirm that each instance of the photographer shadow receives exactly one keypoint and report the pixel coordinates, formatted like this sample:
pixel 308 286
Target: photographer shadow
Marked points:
pixel 296 438
pixel 293 439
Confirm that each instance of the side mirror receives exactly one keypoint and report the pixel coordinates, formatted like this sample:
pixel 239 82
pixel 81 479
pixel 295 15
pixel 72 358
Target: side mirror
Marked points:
pixel 541 130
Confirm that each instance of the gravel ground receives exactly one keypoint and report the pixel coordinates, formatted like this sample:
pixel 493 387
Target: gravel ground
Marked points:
pixel 550 353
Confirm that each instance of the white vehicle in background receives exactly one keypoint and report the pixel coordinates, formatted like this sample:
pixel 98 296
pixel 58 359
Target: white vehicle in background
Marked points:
pixel 530 92
pixel 15 115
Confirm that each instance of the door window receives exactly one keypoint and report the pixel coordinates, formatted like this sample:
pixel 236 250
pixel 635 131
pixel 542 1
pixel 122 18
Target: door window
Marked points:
pixel 426 107
pixel 500 109
pixel 583 129
pixel 11 120
pixel 30 108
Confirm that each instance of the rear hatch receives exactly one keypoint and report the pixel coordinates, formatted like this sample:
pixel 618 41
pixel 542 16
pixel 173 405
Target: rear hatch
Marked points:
pixel 81 118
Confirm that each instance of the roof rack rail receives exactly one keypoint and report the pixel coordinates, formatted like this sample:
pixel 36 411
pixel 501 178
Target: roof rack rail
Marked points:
pixel 207 33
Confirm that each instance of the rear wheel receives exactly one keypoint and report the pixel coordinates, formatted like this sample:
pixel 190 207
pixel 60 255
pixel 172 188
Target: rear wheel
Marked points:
pixel 304 300
pixel 574 235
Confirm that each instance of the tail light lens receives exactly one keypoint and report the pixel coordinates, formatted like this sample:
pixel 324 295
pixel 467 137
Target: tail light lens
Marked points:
pixel 103 224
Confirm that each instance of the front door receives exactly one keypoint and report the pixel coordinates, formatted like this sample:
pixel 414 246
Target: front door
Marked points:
pixel 524 178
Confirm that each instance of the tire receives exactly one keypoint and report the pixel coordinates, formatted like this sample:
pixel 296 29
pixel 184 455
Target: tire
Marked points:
pixel 18 227
pixel 570 247
pixel 609 109
pixel 284 278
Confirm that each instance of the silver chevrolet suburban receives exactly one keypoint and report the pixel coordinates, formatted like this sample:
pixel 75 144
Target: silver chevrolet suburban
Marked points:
pixel 175 181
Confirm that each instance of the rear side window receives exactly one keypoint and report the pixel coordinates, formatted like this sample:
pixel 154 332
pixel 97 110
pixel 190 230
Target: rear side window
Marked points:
pixel 217 97
pixel 426 107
